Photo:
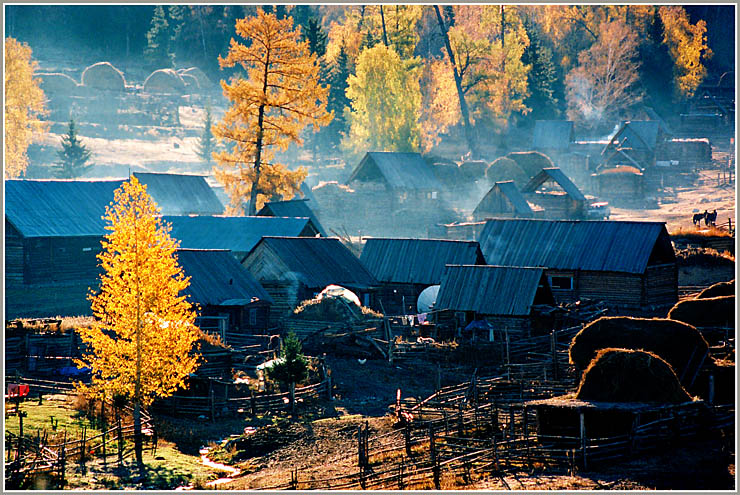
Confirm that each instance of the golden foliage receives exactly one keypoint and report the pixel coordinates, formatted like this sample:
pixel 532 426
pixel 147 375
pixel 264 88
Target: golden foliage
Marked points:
pixel 139 309
pixel 24 105
pixel 687 44
pixel 280 96
pixel 274 178
pixel 440 108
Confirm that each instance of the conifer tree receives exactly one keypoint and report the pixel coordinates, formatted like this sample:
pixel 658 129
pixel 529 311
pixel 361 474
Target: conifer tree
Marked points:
pixel 292 367
pixel 73 156
pixel 541 78
pixel 207 144
pixel 158 52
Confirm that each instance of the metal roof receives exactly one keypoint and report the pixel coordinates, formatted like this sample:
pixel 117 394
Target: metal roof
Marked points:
pixel 320 261
pixel 416 261
pixel 398 170
pixel 237 234
pixel 572 244
pixel 489 290
pixel 178 194
pixel 291 208
pixel 508 190
pixel 552 134
pixel 638 134
pixel 557 175
pixel 216 277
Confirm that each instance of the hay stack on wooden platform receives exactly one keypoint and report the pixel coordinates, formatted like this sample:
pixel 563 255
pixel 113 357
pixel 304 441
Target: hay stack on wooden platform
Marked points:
pixel 57 83
pixel 531 161
pixel 621 375
pixel 705 312
pixel 332 309
pixel 164 81
pixel 473 169
pixel 104 76
pixel 503 169
pixel 717 290
pixel 678 343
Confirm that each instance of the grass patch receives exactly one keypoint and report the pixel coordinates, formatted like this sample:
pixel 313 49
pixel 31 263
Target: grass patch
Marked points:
pixel 698 231
pixel 704 257
pixel 39 418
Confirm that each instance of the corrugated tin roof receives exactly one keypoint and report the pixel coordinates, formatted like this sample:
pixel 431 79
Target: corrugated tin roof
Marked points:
pixel 416 261
pixel 399 170
pixel 291 208
pixel 509 190
pixel 571 244
pixel 559 177
pixel 489 290
pixel 217 277
pixel 178 194
pixel 321 261
pixel 237 234
pixel 552 134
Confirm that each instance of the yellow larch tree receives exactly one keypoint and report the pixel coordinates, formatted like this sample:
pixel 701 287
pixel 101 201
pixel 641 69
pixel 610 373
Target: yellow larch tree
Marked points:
pixel 140 345
pixel 24 106
pixel 280 96
pixel 687 44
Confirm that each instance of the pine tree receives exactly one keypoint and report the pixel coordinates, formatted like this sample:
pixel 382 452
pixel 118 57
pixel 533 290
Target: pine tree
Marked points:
pixel 207 144
pixel 139 345
pixel 316 37
pixel 292 366
pixel 542 77
pixel 337 76
pixel 73 156
pixel 158 52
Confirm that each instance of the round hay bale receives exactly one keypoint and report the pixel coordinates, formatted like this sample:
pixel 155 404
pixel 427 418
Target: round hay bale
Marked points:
pixel 164 81
pixel 531 162
pixel 191 83
pixel 57 83
pixel 473 169
pixel 203 81
pixel 104 76
pixel 679 344
pixel 705 312
pixel 332 309
pixel 717 290
pixel 623 375
pixel 503 169
pixel 447 173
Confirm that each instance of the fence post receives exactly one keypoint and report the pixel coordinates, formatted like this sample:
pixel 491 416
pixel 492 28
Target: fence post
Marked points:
pixel 710 398
pixel 433 454
pixel 63 461
pixel 554 352
pixel 83 449
pixel 407 439
pixel 582 418
pixel 120 438
pixel 526 436
pixel 253 403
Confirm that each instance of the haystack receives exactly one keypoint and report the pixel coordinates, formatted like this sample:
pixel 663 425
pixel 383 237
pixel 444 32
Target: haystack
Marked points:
pixel 679 344
pixel 447 173
pixel 104 76
pixel 203 81
pixel 622 375
pixel 57 83
pixel 191 83
pixel 164 81
pixel 473 170
pixel 705 312
pixel 332 309
pixel 531 162
pixel 717 290
pixel 620 169
pixel 503 169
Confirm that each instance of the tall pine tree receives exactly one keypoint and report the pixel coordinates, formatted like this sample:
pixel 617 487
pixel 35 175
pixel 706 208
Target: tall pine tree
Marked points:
pixel 207 144
pixel 73 157
pixel 542 79
pixel 158 51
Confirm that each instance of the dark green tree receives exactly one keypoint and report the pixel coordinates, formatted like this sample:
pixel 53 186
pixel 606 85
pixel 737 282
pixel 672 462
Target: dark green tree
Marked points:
pixel 158 52
pixel 292 367
pixel 542 79
pixel 336 76
pixel 316 37
pixel 73 156
pixel 207 143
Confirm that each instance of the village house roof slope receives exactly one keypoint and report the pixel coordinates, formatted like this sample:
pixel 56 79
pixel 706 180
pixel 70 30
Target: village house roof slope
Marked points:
pixel 508 190
pixel 317 261
pixel 217 278
pixel 490 290
pixel 552 134
pixel 180 194
pixel 556 175
pixel 417 261
pixel 291 208
pixel 614 246
pixel 237 234
pixel 637 134
pixel 397 170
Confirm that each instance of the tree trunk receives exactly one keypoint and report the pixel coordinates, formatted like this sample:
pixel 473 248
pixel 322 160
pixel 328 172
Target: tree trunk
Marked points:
pixel 382 22
pixel 472 146
pixel 252 208
pixel 292 397
pixel 138 444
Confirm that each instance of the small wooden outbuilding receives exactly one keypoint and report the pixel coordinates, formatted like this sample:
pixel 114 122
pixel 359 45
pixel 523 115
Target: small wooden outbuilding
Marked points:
pixel 634 144
pixel 555 194
pixel 297 208
pixel 621 183
pixel 503 200
pixel 408 175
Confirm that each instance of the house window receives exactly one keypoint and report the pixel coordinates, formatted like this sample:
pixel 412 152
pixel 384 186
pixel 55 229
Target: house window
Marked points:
pixel 561 282
pixel 434 195
pixel 253 317
pixel 86 249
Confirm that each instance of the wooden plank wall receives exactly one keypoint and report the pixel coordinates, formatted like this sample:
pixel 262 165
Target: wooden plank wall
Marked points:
pixel 13 255
pixel 661 285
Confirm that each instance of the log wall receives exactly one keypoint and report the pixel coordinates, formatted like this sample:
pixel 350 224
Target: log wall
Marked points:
pixel 13 255
pixel 661 285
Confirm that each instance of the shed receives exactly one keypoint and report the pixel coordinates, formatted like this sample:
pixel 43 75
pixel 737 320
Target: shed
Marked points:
pixel 634 143
pixel 624 264
pixel 221 286
pixel 236 234
pixel 403 172
pixel 503 200
pixel 405 267
pixel 293 269
pixel 291 208
pixel 503 295
pixel 556 194
pixel 621 183
pixel 180 194
pixel 552 135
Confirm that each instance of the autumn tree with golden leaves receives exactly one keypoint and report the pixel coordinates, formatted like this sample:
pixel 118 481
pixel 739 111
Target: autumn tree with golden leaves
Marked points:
pixel 687 44
pixel 280 96
pixel 24 106
pixel 141 341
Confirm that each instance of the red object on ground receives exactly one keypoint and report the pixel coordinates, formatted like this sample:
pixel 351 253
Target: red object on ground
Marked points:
pixel 17 390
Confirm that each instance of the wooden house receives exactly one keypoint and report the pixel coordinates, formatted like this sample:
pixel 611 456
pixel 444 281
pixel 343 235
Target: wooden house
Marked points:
pixel 293 269
pixel 292 208
pixel 552 137
pixel 236 234
pixel 553 192
pixel 625 264
pixel 181 194
pixel 405 267
pixel 502 295
pixel 634 144
pixel 503 200
pixel 407 175
pixel 621 183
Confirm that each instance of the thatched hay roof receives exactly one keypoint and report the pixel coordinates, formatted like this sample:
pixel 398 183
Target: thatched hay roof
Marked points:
pixel 203 81
pixel 56 82
pixel 473 169
pixel 717 290
pixel 505 169
pixel 104 76
pixel 679 344
pixel 531 162
pixel 705 312
pixel 164 81
pixel 621 375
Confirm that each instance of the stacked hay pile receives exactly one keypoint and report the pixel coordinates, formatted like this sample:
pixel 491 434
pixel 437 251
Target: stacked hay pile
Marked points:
pixel 333 309
pixel 717 290
pixel 705 312
pixel 56 83
pixel 104 76
pixel 621 375
pixel 531 162
pixel 447 173
pixel 680 344
pixel 164 81
pixel 503 169
pixel 203 81
pixel 473 170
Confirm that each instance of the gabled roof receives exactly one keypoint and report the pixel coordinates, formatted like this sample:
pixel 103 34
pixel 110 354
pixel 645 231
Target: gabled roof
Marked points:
pixel 557 175
pixel 490 290
pixel 178 194
pixel 637 134
pixel 291 208
pixel 573 245
pixel 552 134
pixel 509 191
pixel 397 170
pixel 217 278
pixel 237 234
pixel 319 261
pixel 416 261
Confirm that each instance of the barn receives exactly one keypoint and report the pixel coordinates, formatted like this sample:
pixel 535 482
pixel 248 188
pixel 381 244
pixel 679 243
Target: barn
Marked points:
pixel 181 194
pixel 503 200
pixel 628 265
pixel 221 287
pixel 634 144
pixel 293 269
pixel 552 136
pixel 292 208
pixel 502 295
pixel 405 267
pixel 406 174
pixel 553 192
